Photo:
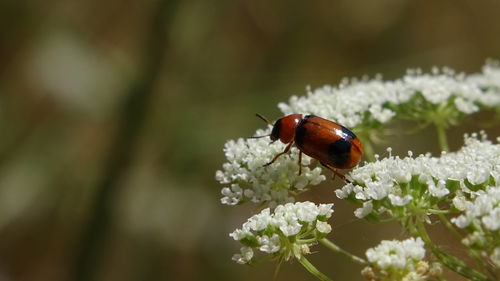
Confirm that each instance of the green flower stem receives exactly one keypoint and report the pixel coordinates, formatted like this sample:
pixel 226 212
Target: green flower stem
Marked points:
pixel 448 225
pixel 313 270
pixel 441 134
pixel 474 254
pixel 306 241
pixel 368 148
pixel 448 260
pixel 330 245
pixel 438 212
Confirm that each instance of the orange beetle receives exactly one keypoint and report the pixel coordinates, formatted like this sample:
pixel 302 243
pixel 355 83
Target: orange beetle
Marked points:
pixel 332 144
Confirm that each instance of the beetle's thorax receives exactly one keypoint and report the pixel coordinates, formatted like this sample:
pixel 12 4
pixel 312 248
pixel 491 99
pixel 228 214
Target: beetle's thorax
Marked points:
pixel 284 128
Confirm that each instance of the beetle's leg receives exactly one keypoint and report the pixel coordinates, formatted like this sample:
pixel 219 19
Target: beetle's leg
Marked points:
pixel 287 148
pixel 335 172
pixel 300 162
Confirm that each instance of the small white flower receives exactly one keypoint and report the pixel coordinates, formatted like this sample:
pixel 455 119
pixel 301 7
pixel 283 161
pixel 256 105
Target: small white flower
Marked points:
pixel 290 227
pixel 461 221
pixel 323 227
pixel 325 210
pixel 259 221
pixel 478 175
pixel 381 114
pixel 466 107
pixel 343 192
pixel 363 212
pixel 308 212
pixel 269 244
pixel 400 201
pixel 239 234
pixel 484 210
pixel 437 191
pixel 401 175
pixel 459 202
pixel 245 256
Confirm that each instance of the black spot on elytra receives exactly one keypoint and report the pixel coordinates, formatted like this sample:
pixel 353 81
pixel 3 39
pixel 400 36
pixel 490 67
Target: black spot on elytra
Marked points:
pixel 309 116
pixel 348 132
pixel 339 152
pixel 275 133
pixel 300 133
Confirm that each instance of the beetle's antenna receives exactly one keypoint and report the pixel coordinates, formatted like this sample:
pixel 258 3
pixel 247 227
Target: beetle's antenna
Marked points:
pixel 258 137
pixel 263 118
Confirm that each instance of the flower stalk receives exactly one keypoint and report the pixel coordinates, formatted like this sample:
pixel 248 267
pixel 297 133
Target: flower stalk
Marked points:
pixel 368 149
pixel 313 270
pixel 447 259
pixel 441 134
pixel 332 246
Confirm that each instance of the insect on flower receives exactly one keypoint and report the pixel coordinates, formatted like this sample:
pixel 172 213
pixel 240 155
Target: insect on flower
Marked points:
pixel 332 144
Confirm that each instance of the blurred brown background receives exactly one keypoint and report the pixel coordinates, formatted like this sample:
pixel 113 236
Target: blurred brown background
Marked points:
pixel 113 115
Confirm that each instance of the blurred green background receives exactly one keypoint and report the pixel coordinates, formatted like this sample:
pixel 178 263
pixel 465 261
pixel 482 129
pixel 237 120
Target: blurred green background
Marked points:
pixel 113 115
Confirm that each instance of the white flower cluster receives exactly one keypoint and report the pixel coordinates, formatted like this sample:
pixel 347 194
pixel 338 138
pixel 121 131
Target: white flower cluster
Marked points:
pixel 489 78
pixel 282 230
pixel 246 179
pixel 400 260
pixel 354 102
pixel 483 210
pixel 394 182
pixel 397 254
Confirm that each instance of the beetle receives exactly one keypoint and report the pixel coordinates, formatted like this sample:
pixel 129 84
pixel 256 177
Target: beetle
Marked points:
pixel 332 144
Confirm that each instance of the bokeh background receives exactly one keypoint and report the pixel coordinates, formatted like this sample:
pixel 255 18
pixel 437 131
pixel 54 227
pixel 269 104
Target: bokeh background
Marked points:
pixel 113 115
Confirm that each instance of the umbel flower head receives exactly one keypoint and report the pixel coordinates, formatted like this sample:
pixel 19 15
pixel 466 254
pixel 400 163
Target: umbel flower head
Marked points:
pixel 287 232
pixel 401 187
pixel 356 103
pixel 398 260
